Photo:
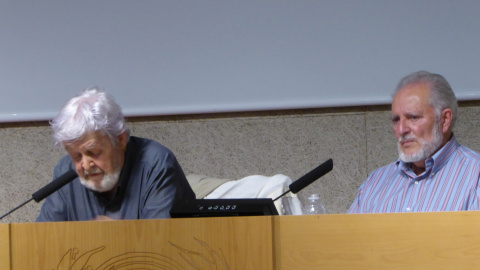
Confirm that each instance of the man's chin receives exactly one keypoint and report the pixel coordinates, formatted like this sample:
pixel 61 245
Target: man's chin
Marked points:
pixel 108 183
pixel 412 157
pixel 409 154
pixel 94 185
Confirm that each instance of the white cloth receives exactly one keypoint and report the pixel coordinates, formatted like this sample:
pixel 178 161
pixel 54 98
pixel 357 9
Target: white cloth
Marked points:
pixel 258 186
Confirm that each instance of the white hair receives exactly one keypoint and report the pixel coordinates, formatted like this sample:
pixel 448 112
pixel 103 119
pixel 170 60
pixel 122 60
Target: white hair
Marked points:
pixel 92 110
pixel 441 94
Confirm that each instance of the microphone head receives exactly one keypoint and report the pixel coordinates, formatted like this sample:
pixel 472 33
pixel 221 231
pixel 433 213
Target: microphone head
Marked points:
pixel 310 177
pixel 55 185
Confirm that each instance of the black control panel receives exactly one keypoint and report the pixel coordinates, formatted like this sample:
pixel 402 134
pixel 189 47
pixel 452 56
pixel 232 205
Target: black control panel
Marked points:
pixel 224 207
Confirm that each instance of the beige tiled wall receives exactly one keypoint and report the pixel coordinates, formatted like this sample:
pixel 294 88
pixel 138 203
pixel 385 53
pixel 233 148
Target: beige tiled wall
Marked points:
pixel 358 139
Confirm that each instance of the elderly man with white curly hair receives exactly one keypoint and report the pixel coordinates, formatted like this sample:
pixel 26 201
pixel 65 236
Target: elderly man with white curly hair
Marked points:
pixel 119 176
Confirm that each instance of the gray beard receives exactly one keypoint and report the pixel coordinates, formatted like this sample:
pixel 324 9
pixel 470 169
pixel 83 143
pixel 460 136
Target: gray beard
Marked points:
pixel 427 149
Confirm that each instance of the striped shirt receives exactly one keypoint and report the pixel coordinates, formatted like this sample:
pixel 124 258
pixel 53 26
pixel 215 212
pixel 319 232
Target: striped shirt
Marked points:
pixel 450 183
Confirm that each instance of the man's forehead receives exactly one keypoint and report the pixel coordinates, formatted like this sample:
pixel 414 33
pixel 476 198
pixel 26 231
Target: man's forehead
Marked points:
pixel 420 89
pixel 89 140
pixel 412 97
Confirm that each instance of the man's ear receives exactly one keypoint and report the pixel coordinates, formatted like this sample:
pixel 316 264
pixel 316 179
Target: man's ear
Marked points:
pixel 122 141
pixel 446 119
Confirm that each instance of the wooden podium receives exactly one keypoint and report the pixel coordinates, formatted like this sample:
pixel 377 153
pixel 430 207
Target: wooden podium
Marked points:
pixel 203 243
pixel 448 240
pixel 4 246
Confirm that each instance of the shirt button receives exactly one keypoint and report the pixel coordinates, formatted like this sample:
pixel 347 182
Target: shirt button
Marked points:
pixel 416 182
pixel 408 209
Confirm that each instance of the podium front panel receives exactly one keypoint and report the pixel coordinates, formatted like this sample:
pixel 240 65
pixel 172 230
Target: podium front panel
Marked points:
pixel 447 240
pixel 189 243
pixel 4 246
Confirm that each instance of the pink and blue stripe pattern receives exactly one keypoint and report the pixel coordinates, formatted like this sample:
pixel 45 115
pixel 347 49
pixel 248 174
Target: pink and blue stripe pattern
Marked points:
pixel 450 183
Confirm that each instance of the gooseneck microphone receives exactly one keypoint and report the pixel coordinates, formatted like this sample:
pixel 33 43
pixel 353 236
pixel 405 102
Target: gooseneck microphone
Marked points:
pixel 44 192
pixel 243 207
pixel 55 185
pixel 309 178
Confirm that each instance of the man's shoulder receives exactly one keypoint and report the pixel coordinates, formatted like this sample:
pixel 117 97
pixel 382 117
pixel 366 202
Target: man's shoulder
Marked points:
pixel 143 148
pixel 468 153
pixel 389 167
pixel 145 143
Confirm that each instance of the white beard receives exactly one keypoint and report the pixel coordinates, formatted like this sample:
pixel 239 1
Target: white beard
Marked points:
pixel 427 149
pixel 108 182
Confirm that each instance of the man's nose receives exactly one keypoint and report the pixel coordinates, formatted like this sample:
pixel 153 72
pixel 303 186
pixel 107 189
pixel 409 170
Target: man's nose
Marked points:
pixel 403 127
pixel 87 164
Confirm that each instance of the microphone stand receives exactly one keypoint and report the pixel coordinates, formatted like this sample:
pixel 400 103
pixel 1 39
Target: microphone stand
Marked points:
pixel 308 178
pixel 281 195
pixel 14 209
pixel 53 186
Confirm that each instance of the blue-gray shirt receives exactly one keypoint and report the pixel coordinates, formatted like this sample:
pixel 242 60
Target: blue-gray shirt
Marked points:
pixel 150 181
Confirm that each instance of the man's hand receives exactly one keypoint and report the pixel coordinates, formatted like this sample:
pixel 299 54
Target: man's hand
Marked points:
pixel 103 218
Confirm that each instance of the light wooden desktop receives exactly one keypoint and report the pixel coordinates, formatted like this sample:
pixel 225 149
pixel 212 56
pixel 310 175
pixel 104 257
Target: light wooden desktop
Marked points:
pixel 448 240
pixel 203 243
pixel 4 246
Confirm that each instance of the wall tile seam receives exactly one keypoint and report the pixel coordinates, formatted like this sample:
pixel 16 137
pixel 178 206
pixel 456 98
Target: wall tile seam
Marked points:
pixel 252 118
pixel 365 130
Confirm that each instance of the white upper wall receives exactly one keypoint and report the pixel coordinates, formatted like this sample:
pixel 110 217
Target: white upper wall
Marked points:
pixel 175 57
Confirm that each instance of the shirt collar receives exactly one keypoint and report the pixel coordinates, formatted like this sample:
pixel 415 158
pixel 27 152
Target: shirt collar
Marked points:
pixel 441 157
pixel 434 163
